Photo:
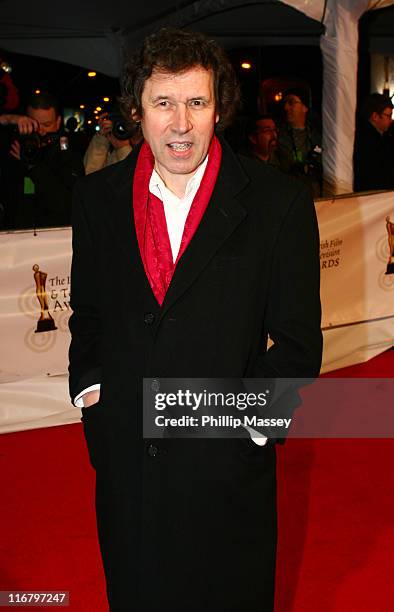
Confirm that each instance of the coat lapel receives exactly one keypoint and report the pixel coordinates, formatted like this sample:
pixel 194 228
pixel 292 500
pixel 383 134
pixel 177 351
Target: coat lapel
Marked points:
pixel 120 216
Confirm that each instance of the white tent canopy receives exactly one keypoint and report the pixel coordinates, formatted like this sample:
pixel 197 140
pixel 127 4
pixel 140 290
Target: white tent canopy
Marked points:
pixel 92 33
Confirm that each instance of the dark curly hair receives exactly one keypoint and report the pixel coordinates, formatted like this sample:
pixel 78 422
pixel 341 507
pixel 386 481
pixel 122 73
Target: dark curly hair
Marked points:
pixel 173 50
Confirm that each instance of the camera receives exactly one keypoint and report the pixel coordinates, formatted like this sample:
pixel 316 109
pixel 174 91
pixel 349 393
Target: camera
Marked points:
pixel 311 165
pixel 314 161
pixel 121 129
pixel 31 145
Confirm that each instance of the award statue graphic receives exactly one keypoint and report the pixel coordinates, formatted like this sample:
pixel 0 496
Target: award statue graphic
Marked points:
pixel 45 322
pixel 390 232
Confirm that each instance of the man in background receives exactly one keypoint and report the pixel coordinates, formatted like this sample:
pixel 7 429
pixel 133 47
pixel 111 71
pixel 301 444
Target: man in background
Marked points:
pixel 263 138
pixel 112 143
pixel 299 149
pixel 41 171
pixel 374 148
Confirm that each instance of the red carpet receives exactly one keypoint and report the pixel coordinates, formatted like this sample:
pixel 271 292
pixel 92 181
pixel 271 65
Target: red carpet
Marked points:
pixel 336 518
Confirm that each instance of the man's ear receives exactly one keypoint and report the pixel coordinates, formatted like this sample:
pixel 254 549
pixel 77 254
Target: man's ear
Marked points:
pixel 135 116
pixel 217 117
pixel 252 139
pixel 58 122
pixel 374 117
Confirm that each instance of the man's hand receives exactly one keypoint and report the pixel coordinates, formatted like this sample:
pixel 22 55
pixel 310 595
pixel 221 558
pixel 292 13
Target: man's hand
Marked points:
pixel 116 143
pixel 15 150
pixel 26 125
pixel 90 398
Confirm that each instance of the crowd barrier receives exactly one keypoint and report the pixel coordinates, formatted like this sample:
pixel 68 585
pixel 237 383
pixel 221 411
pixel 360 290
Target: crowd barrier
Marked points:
pixel 357 292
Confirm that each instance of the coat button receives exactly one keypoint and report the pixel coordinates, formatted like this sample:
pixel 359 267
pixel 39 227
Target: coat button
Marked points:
pixel 152 450
pixel 149 318
pixel 155 385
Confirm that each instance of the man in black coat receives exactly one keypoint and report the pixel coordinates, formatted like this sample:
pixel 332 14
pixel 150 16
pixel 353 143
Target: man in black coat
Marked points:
pixel 185 258
pixel 41 171
pixel 374 148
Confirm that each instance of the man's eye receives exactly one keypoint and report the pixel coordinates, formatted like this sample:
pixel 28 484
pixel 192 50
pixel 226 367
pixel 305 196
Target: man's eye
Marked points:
pixel 197 103
pixel 163 103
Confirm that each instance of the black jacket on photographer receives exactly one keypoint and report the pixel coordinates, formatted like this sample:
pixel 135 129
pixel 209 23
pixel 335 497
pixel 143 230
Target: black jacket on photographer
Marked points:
pixel 38 188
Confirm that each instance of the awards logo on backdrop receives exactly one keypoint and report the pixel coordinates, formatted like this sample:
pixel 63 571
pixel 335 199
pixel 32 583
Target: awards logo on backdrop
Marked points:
pixel 35 304
pixel 384 253
pixel 45 323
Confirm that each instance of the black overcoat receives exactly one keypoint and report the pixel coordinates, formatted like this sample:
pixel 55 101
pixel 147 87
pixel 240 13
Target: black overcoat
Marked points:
pixel 189 524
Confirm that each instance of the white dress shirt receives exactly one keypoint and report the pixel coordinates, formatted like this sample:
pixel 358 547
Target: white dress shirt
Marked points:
pixel 176 209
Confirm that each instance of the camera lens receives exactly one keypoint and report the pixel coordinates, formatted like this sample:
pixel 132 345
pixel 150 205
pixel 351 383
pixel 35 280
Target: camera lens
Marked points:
pixel 120 128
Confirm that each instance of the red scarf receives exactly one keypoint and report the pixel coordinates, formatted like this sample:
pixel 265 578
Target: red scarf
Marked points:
pixel 150 220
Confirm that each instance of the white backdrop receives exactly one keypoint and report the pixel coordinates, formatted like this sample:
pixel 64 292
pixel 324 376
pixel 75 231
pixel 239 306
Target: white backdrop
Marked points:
pixel 357 299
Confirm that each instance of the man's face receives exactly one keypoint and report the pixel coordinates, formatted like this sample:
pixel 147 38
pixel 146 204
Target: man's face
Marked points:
pixel 265 140
pixel 382 121
pixel 46 118
pixel 295 110
pixel 178 121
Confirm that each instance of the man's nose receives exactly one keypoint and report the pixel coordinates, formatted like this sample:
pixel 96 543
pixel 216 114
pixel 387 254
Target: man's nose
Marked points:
pixel 181 119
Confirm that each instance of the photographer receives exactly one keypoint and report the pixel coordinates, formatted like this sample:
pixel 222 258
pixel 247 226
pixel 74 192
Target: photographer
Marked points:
pixel 112 143
pixel 24 125
pixel 42 170
pixel 299 147
pixel 9 100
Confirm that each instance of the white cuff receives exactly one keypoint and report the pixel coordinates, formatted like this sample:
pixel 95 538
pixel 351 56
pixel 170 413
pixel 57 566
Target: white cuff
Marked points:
pixel 257 437
pixel 78 401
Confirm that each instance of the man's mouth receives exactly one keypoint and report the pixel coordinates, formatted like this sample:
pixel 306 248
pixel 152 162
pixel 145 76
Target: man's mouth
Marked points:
pixel 180 146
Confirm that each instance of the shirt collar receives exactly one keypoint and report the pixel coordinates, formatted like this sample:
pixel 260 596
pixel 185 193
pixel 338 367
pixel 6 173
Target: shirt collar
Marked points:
pixel 157 185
